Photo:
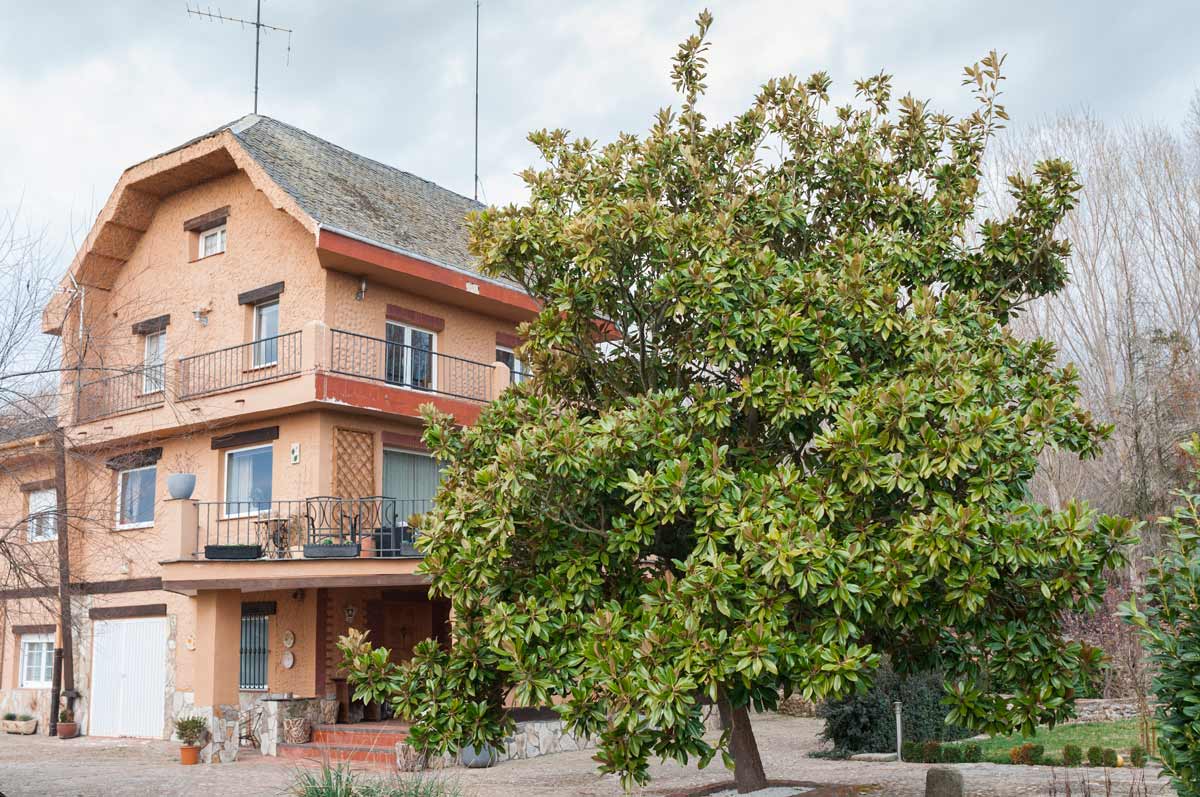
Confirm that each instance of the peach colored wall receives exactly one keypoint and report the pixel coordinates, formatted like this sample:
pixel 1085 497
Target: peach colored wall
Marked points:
pixel 467 334
pixel 163 276
pixel 299 617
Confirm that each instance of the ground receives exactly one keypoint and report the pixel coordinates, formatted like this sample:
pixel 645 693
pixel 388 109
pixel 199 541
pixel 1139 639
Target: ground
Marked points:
pixel 37 765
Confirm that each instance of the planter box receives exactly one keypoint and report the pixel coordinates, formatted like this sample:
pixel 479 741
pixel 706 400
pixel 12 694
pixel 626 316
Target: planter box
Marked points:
pixel 232 551
pixel 25 728
pixel 340 550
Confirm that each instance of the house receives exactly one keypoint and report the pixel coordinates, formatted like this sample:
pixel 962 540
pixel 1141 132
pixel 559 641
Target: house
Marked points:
pixel 265 311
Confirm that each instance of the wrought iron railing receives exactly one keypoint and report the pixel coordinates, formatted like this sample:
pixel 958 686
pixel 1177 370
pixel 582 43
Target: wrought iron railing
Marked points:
pixel 397 364
pixel 243 364
pixel 321 527
pixel 138 388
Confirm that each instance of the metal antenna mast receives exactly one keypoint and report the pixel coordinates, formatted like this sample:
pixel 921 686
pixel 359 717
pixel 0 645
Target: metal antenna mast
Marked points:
pixel 258 26
pixel 476 100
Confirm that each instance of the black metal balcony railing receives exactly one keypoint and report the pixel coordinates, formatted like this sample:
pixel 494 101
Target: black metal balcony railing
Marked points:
pixel 397 364
pixel 320 527
pixel 136 389
pixel 244 364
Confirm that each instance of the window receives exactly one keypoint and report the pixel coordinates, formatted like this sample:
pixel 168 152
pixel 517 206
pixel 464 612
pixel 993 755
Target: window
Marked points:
pixel 43 515
pixel 266 333
pixel 247 481
pixel 37 661
pixel 409 357
pixel 212 242
pixel 516 368
pixel 152 362
pixel 252 663
pixel 135 488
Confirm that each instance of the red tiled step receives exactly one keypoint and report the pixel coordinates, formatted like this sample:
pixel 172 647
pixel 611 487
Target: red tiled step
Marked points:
pixel 335 753
pixel 365 735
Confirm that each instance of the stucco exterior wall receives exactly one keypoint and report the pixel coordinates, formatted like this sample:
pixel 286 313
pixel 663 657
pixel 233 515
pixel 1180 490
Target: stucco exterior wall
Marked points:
pixel 467 334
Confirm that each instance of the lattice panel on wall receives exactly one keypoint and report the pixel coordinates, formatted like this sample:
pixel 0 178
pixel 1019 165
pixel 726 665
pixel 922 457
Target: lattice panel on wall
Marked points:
pixel 353 463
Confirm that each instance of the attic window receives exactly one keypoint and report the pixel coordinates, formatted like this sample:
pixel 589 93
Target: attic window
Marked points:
pixel 212 242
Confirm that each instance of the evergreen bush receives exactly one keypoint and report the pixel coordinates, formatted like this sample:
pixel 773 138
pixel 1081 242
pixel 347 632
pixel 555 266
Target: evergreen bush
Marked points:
pixel 866 722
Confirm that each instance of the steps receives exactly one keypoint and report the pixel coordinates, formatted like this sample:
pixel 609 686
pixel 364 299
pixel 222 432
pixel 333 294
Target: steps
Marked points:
pixel 372 743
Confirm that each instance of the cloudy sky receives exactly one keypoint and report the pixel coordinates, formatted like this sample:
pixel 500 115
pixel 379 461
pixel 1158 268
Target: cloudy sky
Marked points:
pixel 89 88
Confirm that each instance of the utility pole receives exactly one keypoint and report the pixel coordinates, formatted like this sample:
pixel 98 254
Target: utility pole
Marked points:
pixel 63 530
pixel 258 26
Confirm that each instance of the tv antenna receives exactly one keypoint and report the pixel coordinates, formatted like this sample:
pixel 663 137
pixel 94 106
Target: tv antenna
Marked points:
pixel 256 23
pixel 476 100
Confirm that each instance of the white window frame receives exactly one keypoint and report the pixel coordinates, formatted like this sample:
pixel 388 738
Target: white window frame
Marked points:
pixel 222 239
pixel 154 373
pixel 257 340
pixel 518 366
pixel 225 480
pixel 144 524
pixel 42 524
pixel 407 349
pixel 40 639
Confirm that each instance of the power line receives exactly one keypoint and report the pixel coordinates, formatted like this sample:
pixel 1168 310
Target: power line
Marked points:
pixel 258 26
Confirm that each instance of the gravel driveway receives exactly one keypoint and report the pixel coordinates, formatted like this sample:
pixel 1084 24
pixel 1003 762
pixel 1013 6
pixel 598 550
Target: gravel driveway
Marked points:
pixel 88 767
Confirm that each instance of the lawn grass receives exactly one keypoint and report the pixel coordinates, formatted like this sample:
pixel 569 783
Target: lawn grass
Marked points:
pixel 1120 735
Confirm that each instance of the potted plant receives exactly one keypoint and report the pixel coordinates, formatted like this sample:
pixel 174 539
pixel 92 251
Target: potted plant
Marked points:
pixel 22 724
pixel 296 727
pixel 327 548
pixel 329 711
pixel 67 727
pixel 478 757
pixel 191 732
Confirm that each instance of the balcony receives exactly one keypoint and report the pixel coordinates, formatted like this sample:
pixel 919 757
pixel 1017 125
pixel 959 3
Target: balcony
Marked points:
pixel 409 367
pixel 237 366
pixel 136 389
pixel 327 366
pixel 321 527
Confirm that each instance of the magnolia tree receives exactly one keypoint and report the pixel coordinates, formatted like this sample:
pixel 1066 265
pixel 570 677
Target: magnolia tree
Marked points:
pixel 779 431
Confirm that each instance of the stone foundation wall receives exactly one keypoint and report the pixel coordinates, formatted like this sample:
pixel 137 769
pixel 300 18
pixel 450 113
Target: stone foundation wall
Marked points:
pixel 796 706
pixel 1106 710
pixel 537 738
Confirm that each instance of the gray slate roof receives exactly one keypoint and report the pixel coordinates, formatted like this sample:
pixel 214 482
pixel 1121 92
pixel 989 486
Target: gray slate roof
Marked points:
pixel 19 427
pixel 358 195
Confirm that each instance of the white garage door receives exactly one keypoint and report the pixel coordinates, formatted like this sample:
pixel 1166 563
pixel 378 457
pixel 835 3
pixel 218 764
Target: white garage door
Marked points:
pixel 129 677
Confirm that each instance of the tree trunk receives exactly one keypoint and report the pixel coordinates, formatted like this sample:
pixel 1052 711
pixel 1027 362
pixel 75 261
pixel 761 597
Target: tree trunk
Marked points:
pixel 748 772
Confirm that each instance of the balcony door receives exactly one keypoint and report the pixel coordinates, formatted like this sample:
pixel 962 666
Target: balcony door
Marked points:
pixel 411 480
pixel 408 357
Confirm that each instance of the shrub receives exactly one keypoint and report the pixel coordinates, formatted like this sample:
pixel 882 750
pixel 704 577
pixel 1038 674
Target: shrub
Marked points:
pixel 911 751
pixel 1072 755
pixel 1137 756
pixel 931 752
pixel 25 718
pixel 952 754
pixel 1014 755
pixel 1168 617
pixel 1037 754
pixel 972 753
pixel 866 722
pixel 1110 758
pixel 190 730
pixel 10 716
pixel 342 781
pixel 1095 756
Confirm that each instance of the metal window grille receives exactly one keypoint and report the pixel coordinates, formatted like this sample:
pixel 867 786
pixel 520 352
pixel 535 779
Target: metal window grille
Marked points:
pixel 252 670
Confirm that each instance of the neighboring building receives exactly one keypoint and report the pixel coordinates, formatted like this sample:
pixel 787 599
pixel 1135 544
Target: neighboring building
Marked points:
pixel 267 311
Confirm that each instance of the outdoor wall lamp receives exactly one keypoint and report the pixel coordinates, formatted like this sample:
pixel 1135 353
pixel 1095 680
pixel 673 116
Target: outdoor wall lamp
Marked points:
pixel 362 290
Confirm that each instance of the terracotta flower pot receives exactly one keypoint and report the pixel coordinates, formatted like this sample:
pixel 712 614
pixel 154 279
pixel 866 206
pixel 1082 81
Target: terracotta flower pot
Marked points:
pixel 189 755
pixel 297 731
pixel 329 712
pixel 68 730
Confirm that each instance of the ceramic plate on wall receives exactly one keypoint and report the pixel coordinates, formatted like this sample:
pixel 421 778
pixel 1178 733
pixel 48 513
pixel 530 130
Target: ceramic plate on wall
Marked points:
pixel 289 639
pixel 289 659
